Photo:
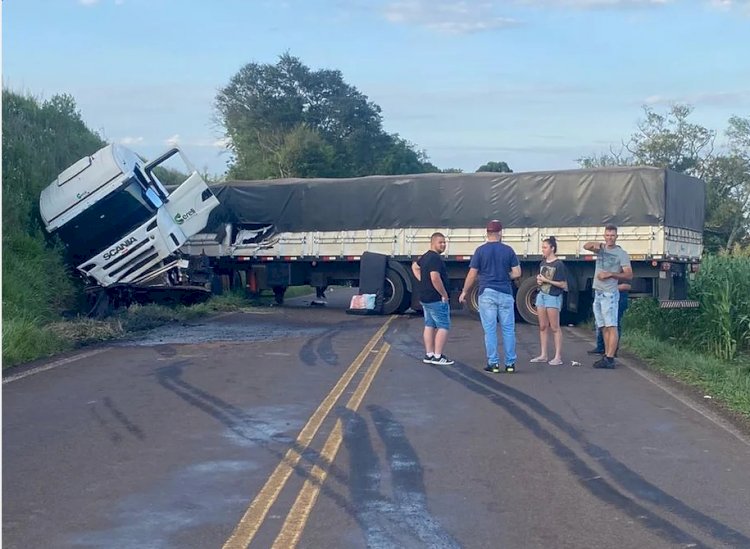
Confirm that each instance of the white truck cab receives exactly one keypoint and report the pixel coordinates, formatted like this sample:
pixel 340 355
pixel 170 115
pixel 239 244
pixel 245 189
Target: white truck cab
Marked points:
pixel 117 219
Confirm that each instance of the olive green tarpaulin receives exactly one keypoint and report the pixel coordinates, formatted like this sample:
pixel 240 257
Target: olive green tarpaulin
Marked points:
pixel 622 196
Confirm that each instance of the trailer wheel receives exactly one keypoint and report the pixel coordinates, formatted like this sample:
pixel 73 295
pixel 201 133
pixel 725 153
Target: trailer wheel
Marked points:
pixel 278 294
pixel 526 300
pixel 472 301
pixel 394 292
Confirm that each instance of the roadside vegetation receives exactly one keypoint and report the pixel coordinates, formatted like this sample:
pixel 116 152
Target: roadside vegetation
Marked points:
pixel 708 347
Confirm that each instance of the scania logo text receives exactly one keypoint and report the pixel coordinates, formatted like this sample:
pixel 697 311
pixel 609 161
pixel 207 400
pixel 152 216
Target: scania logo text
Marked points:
pixel 119 248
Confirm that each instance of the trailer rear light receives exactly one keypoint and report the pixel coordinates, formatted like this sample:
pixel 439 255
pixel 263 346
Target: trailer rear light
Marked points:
pixel 695 267
pixel 654 263
pixel 665 266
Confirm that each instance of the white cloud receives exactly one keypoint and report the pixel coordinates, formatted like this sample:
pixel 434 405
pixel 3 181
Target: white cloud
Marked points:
pixel 173 141
pixel 593 4
pixel 721 99
pixel 129 141
pixel 450 17
pixel 94 2
pixel 727 5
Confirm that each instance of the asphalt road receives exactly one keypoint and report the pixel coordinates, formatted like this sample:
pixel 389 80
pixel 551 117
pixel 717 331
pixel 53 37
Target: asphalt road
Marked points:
pixel 309 427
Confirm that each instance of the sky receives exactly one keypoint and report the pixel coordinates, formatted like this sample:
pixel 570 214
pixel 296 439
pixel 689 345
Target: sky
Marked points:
pixel 534 83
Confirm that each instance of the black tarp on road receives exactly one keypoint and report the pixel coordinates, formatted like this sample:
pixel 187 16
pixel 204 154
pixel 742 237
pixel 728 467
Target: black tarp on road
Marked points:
pixel 623 196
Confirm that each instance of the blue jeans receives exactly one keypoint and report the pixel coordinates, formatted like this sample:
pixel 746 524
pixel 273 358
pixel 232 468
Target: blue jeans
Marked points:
pixel 437 315
pixel 621 308
pixel 497 307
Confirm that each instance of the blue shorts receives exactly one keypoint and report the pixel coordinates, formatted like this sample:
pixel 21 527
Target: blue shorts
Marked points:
pixel 606 305
pixel 549 301
pixel 437 315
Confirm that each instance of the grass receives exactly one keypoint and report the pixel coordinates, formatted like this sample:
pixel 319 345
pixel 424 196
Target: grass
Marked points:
pixel 26 339
pixel 724 380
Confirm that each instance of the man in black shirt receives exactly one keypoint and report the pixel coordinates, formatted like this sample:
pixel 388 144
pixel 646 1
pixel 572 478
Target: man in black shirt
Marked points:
pixel 432 277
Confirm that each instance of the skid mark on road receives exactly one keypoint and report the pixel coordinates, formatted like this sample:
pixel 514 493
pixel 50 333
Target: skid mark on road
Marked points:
pixel 243 428
pixel 113 434
pixel 320 347
pixel 402 520
pixel 628 480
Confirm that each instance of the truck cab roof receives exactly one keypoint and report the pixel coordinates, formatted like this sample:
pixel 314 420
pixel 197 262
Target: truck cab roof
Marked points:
pixel 84 183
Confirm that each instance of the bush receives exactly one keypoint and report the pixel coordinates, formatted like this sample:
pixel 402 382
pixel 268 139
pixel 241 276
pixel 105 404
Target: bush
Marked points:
pixel 720 326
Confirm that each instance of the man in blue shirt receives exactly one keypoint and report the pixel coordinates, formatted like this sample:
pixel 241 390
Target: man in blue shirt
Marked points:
pixel 495 265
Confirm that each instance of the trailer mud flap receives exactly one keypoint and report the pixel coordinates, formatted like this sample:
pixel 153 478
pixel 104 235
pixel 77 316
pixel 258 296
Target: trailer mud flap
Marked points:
pixel 678 304
pixel 371 280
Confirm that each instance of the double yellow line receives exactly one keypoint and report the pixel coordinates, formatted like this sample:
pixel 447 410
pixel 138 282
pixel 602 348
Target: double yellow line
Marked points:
pixel 297 517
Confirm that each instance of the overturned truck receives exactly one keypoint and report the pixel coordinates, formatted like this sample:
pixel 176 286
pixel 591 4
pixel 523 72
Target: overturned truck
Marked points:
pixel 274 234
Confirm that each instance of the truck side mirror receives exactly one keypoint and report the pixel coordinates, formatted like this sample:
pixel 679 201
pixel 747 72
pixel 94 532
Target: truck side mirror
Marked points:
pixel 153 197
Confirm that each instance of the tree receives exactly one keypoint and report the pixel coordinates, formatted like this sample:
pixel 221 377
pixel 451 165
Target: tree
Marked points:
pixel 671 141
pixel 501 167
pixel 266 109
pixel 728 194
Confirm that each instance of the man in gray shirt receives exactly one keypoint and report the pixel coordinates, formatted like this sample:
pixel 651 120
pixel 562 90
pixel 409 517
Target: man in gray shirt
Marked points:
pixel 612 268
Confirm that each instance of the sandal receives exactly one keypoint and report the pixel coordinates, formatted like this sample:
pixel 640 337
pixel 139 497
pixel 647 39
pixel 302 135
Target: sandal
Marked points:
pixel 555 362
pixel 539 359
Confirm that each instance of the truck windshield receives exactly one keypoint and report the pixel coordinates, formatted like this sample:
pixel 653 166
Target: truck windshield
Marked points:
pixel 105 223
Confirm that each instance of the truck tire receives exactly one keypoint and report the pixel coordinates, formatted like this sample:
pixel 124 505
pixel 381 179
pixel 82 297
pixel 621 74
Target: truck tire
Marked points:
pixel 526 300
pixel 278 294
pixel 472 301
pixel 394 292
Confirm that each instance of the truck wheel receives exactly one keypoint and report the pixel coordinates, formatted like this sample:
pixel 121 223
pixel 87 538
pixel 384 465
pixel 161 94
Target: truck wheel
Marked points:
pixel 394 293
pixel 526 300
pixel 98 303
pixel 278 294
pixel 472 301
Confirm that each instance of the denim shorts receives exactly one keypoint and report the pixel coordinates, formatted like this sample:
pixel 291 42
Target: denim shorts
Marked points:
pixel 606 305
pixel 437 315
pixel 549 301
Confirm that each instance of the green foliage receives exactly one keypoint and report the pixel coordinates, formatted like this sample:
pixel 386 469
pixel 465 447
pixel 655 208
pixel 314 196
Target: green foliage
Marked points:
pixel 286 120
pixel 40 139
pixel 170 176
pixel 671 141
pixel 720 326
pixel 36 281
pixel 500 167
pixel 26 338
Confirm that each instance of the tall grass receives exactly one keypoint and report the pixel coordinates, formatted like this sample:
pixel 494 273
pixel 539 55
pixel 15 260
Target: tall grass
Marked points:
pixel 40 139
pixel 720 327
pixel 25 339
